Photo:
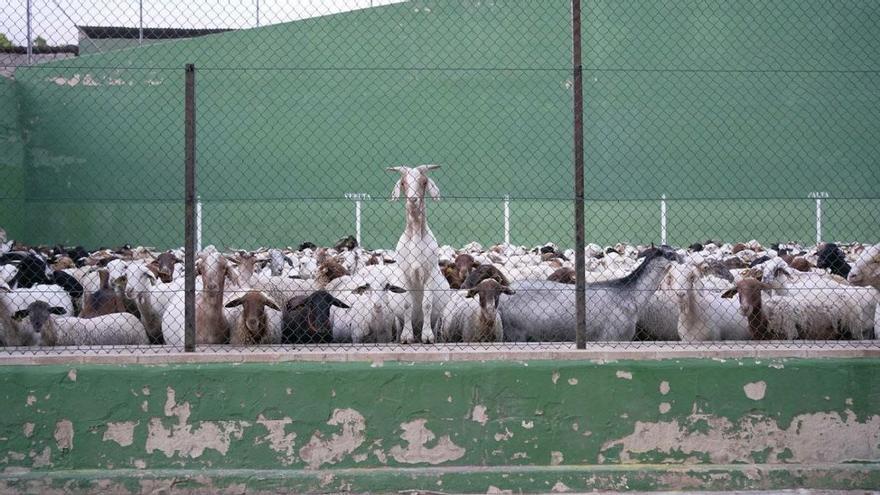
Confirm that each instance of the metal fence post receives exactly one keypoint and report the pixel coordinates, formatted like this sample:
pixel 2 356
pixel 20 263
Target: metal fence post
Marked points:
pixel 30 40
pixel 189 342
pixel 578 107
pixel 140 22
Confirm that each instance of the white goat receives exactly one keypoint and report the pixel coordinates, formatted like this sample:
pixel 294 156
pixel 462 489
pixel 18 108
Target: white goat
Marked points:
pixel 702 313
pixel 416 252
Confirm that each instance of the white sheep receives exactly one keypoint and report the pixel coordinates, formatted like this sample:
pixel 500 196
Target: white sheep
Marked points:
pixel 866 269
pixel 42 320
pixel 371 318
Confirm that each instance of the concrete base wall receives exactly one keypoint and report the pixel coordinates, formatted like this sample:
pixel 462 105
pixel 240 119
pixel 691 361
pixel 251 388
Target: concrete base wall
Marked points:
pixel 487 427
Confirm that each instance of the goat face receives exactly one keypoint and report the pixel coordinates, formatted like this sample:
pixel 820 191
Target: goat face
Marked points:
pixel 254 312
pixel 866 269
pixel 489 291
pixel 414 183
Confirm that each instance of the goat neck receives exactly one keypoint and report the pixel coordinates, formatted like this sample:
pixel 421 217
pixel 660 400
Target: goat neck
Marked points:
pixel 416 218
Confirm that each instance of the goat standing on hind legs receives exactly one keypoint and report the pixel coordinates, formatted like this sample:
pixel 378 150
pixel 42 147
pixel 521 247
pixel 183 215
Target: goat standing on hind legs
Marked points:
pixel 416 254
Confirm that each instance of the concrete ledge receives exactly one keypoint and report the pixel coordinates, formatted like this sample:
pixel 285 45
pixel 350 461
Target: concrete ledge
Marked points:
pixel 465 479
pixel 473 427
pixel 444 352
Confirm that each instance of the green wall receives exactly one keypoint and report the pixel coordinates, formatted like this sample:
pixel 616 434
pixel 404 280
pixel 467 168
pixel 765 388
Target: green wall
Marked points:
pixel 11 162
pixel 527 426
pixel 734 110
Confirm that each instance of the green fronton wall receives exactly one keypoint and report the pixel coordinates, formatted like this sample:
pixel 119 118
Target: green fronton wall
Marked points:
pixel 734 110
pixel 11 162
pixel 535 426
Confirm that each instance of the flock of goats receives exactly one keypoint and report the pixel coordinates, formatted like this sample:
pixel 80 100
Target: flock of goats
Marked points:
pixel 57 296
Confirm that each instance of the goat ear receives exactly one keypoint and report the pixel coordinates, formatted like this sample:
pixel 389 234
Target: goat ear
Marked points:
pixel 428 167
pixel 471 292
pixel 395 169
pixel 57 310
pixel 268 301
pixel 507 290
pixel 338 303
pixel 235 302
pixel 20 314
pixel 729 293
pixel 394 288
pixel 232 274
pixel 433 190
pixel 395 193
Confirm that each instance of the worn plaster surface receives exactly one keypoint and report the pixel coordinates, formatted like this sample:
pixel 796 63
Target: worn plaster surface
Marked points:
pixel 543 425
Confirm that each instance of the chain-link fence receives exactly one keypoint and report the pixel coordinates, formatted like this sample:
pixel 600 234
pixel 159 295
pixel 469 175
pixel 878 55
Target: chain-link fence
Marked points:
pixel 198 176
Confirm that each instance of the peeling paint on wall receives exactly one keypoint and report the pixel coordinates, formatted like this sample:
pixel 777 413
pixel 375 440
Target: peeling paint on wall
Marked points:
pixel 320 451
pixel 185 440
pixel 756 390
pixel 810 438
pixel 479 415
pixel 278 439
pixel 122 432
pixel 417 436
pixel 64 434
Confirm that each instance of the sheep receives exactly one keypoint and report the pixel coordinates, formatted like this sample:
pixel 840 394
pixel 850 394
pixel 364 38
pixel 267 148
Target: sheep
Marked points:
pixel 464 263
pixel 564 275
pixel 830 290
pixel 276 261
pixel 10 335
pixel 371 318
pixel 416 252
pixel 793 317
pixel 484 272
pixel 164 265
pixel 152 298
pixel 866 269
pixel 831 257
pixel 328 270
pixel 54 295
pixel 543 310
pixel 103 301
pixel 306 319
pixel 468 320
pixel 212 326
pixel 702 313
pixel 255 324
pixel 32 270
pixel 42 320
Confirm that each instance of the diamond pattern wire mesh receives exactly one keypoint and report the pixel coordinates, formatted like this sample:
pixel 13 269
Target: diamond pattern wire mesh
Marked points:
pixel 741 135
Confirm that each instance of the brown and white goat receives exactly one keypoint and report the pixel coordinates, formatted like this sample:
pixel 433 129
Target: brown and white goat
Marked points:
pixel 253 325
pixel 469 320
pixel 212 326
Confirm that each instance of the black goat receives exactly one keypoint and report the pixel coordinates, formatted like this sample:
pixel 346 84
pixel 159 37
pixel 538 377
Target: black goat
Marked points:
pixel 306 319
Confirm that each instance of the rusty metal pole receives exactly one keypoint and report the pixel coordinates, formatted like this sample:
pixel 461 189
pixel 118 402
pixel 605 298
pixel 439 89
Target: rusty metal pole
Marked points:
pixel 578 107
pixel 189 342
